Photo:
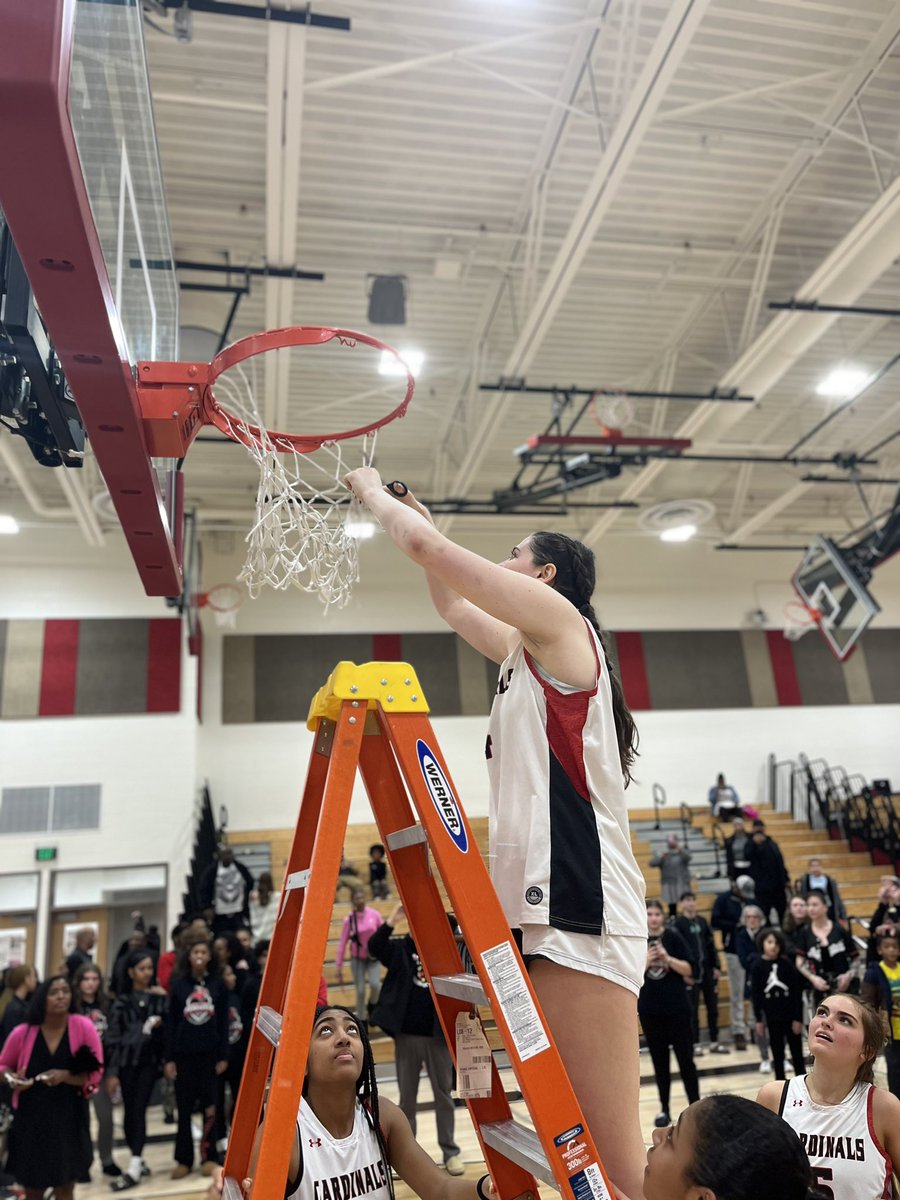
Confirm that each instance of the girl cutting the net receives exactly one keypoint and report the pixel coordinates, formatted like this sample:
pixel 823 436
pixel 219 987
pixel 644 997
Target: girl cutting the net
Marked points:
pixel 560 747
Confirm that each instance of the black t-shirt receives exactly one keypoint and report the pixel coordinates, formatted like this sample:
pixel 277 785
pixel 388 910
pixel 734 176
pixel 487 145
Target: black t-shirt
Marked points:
pixel 828 959
pixel 419 1017
pixel 664 991
pixel 377 870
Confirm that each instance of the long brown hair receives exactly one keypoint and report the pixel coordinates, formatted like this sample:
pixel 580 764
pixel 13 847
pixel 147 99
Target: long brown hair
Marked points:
pixel 576 578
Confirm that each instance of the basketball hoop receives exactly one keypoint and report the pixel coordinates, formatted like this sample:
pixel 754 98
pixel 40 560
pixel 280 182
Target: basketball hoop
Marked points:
pixel 223 601
pixel 799 619
pixel 299 537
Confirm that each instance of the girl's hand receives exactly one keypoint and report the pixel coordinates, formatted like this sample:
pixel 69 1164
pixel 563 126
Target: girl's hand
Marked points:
pixel 222 1066
pixel 16 1082
pixel 411 502
pixel 112 1083
pixel 363 482
pixel 843 981
pixel 820 984
pixel 760 1029
pixel 797 1027
pixel 396 915
pixel 52 1078
pixel 170 1071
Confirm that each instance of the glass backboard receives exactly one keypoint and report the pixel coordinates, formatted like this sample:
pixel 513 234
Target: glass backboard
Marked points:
pixel 826 582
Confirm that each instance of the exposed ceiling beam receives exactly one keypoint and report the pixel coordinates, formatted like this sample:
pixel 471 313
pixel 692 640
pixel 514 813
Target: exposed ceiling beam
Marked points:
pixel 672 42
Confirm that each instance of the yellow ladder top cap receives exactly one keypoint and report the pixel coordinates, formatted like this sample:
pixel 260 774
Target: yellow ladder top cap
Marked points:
pixel 394 686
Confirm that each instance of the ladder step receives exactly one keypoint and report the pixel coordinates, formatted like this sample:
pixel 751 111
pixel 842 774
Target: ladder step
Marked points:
pixel 460 987
pixel 268 1022
pixel 411 836
pixel 520 1145
pixel 297 879
pixel 231 1189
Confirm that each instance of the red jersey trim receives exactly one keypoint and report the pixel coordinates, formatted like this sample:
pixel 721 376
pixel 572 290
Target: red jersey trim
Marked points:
pixel 567 714
pixel 889 1166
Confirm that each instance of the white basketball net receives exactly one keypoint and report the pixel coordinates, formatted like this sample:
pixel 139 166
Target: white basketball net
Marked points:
pixel 299 537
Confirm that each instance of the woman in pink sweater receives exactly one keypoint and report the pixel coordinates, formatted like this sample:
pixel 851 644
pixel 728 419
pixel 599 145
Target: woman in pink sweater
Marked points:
pixel 358 927
pixel 53 1063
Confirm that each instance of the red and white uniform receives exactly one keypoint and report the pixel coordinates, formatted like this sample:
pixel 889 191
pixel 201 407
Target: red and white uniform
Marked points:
pixel 331 1168
pixel 840 1142
pixel 559 843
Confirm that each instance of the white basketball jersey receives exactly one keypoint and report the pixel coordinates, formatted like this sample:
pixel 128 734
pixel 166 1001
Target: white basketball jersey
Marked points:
pixel 840 1142
pixel 339 1168
pixel 559 844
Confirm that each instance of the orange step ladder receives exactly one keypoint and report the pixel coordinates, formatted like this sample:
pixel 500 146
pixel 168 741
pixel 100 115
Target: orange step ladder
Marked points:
pixel 373 717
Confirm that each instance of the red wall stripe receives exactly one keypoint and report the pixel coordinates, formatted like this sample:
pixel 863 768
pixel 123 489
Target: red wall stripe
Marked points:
pixel 784 670
pixel 163 665
pixel 387 647
pixel 59 669
pixel 630 652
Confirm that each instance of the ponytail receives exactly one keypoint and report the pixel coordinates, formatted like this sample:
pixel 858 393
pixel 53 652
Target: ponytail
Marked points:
pixel 576 578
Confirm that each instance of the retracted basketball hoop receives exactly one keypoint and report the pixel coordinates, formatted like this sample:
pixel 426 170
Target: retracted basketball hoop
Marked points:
pixel 299 537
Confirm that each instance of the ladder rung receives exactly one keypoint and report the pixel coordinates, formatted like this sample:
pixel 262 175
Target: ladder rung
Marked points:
pixel 297 879
pixel 520 1145
pixel 231 1189
pixel 268 1022
pixel 460 987
pixel 411 836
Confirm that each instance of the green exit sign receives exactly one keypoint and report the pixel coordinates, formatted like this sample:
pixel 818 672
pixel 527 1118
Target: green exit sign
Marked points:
pixel 45 854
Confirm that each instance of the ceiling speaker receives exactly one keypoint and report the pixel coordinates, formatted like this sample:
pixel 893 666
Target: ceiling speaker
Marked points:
pixel 387 300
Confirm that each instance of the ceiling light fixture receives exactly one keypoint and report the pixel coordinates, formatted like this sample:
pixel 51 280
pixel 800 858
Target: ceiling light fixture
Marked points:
pixel 842 382
pixel 8 524
pixel 359 524
pixel 678 533
pixel 389 365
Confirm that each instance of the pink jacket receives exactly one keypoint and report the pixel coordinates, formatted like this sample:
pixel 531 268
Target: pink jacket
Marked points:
pixel 363 925
pixel 17 1051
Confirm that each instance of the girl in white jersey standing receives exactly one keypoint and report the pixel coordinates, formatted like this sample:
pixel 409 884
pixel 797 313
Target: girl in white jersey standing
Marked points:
pixel 347 1134
pixel 561 742
pixel 849 1128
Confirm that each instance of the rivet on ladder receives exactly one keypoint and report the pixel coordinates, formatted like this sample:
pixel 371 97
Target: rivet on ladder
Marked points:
pixel 354 704
pixel 390 699
pixel 414 698
pixel 352 721
pixel 384 683
pixel 408 682
pixel 353 688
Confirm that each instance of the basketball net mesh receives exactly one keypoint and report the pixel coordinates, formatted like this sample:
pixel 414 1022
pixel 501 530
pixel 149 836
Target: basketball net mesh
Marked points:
pixel 298 537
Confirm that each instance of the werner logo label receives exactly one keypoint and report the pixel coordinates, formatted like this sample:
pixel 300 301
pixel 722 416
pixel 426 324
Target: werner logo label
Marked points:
pixel 574 1132
pixel 442 795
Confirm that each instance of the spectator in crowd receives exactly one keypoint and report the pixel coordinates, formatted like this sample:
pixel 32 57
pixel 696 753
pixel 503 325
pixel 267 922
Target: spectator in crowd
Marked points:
pixel 674 872
pixel 697 934
pixel 263 907
pixel 378 881
pixel 737 849
pixel 886 917
pixel 776 990
pixel 815 879
pixel 726 918
pixel 748 952
pixel 166 964
pixel 237 1050
pixel 253 985
pixel 228 949
pixel 21 982
pixel 136 940
pixel 405 1010
pixel 135 1041
pixel 795 919
pixel 90 999
pixel 196 1051
pixel 224 890
pixel 348 876
pixel 358 927
pixel 768 872
pixel 724 802
pixel 85 941
pixel 881 989
pixel 665 1009
pixel 826 954
pixel 53 1062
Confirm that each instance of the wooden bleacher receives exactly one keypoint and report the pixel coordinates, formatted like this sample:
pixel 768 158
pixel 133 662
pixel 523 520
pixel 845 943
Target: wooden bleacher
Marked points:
pixel 857 877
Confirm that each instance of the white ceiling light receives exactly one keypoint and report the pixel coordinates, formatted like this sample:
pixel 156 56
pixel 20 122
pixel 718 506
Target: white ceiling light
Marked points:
pixel 8 524
pixel 842 382
pixel 389 365
pixel 678 533
pixel 359 523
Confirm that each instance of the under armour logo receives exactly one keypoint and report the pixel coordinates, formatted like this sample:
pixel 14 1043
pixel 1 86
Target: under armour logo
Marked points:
pixel 315 1141
pixel 794 1104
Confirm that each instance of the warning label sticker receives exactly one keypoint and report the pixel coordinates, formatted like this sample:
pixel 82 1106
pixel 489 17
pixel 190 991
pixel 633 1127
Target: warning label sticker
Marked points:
pixel 515 1000
pixel 588 1185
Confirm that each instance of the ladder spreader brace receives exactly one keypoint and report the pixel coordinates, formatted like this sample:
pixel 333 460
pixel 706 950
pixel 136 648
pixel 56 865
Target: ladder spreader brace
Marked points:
pixel 373 717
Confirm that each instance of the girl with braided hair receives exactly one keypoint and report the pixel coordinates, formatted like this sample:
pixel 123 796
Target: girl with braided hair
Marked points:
pixel 345 1130
pixel 561 743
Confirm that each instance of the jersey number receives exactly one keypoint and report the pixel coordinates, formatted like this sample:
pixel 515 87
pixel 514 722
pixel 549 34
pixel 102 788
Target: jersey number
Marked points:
pixel 824 1173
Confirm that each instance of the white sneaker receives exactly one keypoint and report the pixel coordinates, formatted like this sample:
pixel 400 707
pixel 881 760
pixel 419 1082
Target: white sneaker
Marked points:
pixel 788 1069
pixel 698 1050
pixel 765 1067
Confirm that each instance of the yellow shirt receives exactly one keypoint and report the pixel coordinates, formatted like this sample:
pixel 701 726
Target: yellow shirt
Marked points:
pixel 893 978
